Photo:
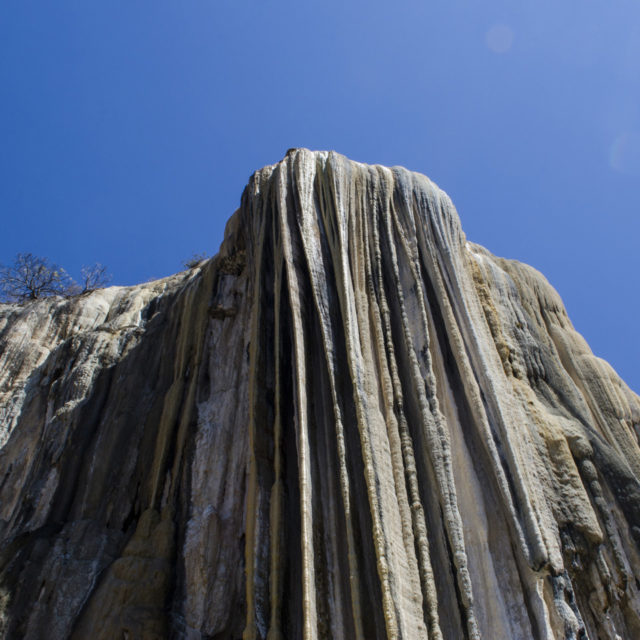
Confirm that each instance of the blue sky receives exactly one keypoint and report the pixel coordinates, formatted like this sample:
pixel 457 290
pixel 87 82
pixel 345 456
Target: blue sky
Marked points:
pixel 128 128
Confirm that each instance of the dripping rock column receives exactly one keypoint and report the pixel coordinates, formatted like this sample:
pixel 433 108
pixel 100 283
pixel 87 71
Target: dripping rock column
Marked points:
pixel 350 423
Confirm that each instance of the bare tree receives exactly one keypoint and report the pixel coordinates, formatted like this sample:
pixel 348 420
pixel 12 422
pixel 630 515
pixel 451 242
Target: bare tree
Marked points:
pixel 31 277
pixel 194 260
pixel 94 277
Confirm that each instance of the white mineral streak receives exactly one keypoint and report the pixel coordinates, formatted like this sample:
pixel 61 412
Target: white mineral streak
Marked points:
pixel 351 423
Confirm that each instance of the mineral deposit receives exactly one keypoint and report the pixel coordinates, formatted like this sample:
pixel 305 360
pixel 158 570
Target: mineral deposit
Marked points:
pixel 351 423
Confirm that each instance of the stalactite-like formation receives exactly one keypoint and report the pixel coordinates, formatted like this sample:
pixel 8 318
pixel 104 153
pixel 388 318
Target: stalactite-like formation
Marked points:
pixel 351 423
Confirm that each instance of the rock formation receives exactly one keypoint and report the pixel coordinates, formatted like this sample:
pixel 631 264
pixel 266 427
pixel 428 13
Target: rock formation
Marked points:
pixel 350 423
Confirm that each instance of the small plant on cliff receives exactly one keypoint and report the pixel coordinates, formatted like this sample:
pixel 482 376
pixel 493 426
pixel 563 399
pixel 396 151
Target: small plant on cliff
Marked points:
pixel 94 277
pixel 194 260
pixel 31 277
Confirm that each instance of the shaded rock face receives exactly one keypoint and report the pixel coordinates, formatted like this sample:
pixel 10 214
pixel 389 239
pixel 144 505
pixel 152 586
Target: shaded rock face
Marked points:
pixel 351 423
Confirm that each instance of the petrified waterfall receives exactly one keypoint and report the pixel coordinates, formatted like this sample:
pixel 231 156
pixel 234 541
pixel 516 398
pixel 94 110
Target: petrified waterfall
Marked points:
pixel 351 423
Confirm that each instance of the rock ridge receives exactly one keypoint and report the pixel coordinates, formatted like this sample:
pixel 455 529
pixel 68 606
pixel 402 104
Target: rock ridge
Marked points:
pixel 350 423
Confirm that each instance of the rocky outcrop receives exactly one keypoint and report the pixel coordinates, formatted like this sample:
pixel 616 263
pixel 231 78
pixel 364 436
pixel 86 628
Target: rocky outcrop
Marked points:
pixel 350 423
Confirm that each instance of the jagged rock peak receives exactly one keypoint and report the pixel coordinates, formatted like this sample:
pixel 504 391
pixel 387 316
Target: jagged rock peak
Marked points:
pixel 351 423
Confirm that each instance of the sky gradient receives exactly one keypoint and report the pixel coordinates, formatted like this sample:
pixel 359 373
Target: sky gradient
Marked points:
pixel 128 129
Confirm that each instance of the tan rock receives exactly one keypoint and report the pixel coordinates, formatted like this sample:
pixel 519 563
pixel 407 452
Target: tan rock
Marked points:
pixel 350 423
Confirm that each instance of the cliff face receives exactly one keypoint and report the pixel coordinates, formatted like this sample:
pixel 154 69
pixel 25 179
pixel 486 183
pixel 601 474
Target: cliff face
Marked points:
pixel 350 423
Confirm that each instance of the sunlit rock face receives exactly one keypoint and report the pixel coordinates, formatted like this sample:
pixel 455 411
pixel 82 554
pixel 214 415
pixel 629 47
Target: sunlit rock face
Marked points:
pixel 350 423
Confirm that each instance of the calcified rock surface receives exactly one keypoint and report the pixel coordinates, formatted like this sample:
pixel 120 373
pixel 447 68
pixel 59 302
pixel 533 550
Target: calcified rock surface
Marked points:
pixel 351 423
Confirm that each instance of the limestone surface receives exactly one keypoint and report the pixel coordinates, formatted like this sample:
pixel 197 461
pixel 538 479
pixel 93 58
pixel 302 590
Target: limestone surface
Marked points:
pixel 351 423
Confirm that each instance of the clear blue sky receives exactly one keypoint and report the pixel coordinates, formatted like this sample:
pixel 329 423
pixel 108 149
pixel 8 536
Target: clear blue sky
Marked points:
pixel 128 128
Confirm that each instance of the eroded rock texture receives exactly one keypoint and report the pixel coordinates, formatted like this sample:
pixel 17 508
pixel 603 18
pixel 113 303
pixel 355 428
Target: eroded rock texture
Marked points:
pixel 351 423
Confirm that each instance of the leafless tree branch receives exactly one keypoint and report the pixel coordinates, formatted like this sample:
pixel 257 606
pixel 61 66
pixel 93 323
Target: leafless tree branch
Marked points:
pixel 31 277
